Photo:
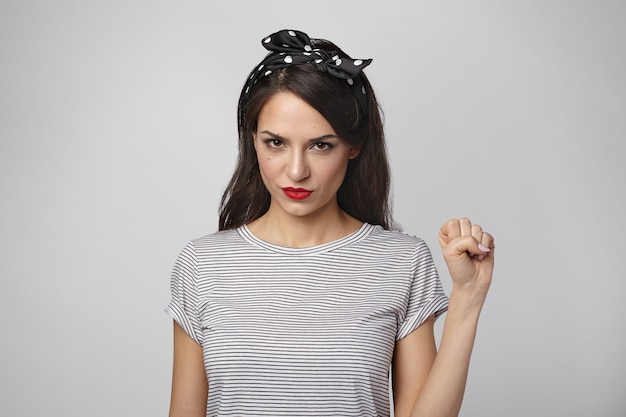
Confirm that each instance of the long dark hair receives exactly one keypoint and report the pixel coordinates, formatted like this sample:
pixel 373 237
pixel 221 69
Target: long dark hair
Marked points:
pixel 364 193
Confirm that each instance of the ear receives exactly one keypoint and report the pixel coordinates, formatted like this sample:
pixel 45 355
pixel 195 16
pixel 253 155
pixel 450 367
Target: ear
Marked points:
pixel 254 140
pixel 354 152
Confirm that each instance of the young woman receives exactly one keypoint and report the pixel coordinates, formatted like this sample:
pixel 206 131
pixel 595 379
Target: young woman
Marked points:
pixel 307 298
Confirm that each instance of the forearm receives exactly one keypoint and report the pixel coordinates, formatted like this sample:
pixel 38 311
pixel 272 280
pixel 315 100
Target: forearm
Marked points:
pixel 189 380
pixel 442 393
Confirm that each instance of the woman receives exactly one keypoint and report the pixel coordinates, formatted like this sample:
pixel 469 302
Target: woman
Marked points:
pixel 306 299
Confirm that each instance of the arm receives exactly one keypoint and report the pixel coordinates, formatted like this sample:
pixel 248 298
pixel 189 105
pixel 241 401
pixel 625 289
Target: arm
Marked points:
pixel 189 381
pixel 439 391
pixel 413 358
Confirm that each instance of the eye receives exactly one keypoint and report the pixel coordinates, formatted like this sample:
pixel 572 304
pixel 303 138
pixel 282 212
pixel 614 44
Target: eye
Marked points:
pixel 322 146
pixel 274 143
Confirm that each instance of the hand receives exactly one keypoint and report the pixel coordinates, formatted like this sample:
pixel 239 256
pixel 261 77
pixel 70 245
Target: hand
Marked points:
pixel 468 252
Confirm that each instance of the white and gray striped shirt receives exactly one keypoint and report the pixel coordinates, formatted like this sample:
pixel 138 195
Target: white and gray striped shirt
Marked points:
pixel 302 331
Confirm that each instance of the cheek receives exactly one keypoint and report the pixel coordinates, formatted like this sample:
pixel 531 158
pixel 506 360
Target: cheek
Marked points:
pixel 265 166
pixel 341 163
pixel 335 170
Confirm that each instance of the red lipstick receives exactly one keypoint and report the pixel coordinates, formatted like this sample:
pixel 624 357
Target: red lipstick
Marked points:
pixel 297 193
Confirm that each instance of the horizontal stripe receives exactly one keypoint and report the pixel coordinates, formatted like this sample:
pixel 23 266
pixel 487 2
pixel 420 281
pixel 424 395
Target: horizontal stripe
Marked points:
pixel 302 331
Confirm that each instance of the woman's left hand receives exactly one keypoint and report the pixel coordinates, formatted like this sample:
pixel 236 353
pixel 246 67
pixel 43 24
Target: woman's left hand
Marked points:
pixel 468 252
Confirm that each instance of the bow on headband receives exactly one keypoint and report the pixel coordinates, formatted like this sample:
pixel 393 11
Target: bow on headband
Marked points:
pixel 292 47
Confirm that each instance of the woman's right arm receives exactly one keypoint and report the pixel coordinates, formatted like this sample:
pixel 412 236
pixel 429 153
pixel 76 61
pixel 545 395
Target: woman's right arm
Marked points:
pixel 189 381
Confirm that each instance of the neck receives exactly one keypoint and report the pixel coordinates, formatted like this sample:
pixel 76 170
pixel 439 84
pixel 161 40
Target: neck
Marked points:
pixel 303 231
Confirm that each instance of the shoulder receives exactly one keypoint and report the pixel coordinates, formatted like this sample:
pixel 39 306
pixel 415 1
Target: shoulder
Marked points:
pixel 395 238
pixel 217 238
pixel 384 246
pixel 403 244
pixel 225 240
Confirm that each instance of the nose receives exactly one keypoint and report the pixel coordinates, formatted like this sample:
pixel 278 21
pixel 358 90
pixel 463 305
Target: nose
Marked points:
pixel 297 167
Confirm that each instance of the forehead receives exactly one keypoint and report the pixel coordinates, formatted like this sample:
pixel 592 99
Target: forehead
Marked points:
pixel 289 112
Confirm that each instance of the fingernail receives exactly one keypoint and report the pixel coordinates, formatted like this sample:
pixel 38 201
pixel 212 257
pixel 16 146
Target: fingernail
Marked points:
pixel 483 248
pixel 480 257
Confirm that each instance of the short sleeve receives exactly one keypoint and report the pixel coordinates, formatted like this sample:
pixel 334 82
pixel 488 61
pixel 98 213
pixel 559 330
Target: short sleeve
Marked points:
pixel 183 306
pixel 426 295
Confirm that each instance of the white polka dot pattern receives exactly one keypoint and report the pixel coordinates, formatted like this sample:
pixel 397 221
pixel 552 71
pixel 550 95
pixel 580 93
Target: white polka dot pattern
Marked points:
pixel 292 47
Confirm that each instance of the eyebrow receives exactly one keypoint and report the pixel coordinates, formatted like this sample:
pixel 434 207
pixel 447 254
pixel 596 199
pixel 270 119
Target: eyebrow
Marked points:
pixel 312 140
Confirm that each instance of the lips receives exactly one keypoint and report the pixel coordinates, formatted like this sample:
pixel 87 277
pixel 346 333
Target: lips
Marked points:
pixel 297 193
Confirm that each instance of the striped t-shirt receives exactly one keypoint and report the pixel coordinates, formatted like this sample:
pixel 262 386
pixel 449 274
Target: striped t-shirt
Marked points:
pixel 302 331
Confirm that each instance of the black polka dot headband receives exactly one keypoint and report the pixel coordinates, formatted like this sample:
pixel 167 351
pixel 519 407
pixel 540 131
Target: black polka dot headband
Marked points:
pixel 292 47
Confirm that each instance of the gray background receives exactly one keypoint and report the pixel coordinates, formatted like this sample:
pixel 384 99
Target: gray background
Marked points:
pixel 117 127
